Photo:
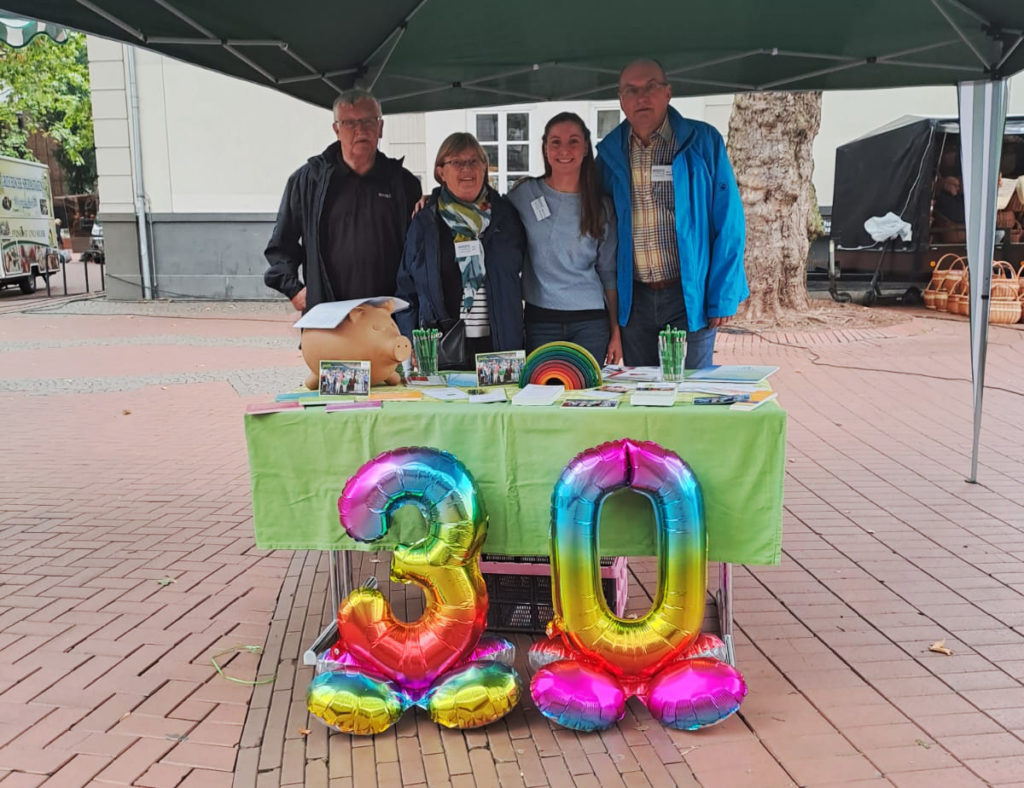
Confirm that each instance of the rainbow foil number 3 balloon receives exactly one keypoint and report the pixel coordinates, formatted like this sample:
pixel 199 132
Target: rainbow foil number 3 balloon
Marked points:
pixel 593 661
pixel 380 666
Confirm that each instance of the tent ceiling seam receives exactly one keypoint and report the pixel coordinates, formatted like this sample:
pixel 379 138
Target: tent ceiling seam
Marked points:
pixel 184 18
pixel 959 32
pixel 112 19
pixel 397 32
pixel 387 57
pixel 1009 51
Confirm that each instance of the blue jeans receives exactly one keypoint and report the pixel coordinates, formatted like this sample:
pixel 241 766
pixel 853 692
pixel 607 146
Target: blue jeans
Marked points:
pixel 591 334
pixel 652 311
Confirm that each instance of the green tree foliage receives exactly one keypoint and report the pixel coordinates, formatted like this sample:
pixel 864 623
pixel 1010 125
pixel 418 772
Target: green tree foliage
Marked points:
pixel 47 90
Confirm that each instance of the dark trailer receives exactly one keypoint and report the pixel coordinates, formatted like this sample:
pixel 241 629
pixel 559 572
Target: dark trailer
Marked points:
pixel 900 168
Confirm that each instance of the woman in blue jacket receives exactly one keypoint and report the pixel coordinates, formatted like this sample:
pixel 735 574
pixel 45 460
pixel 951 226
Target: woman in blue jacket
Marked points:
pixel 463 255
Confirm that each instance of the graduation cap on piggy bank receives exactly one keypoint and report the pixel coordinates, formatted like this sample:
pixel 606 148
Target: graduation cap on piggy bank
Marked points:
pixel 357 330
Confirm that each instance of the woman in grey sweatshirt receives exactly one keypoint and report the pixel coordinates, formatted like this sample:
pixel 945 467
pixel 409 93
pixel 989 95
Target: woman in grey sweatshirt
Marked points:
pixel 569 272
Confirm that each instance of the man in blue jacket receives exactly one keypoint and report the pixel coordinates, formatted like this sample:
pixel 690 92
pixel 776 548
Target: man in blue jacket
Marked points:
pixel 680 221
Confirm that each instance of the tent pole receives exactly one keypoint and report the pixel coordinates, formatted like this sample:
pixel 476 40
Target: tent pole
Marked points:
pixel 982 121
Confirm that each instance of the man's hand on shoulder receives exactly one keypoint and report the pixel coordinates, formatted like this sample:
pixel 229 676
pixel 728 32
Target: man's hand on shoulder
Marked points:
pixel 299 300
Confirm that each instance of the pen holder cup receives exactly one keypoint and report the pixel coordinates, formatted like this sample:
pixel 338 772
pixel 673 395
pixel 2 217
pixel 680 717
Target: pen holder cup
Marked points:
pixel 425 348
pixel 671 354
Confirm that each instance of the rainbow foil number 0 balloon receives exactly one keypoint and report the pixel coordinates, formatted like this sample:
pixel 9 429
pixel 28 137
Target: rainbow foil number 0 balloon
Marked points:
pixel 380 666
pixel 593 661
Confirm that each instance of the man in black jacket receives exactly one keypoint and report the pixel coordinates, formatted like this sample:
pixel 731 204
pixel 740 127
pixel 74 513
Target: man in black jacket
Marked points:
pixel 341 225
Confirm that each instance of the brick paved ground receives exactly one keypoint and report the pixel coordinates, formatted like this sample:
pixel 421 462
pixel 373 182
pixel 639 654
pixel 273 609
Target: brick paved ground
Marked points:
pixel 127 560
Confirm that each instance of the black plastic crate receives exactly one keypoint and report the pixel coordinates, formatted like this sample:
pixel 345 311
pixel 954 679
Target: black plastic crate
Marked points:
pixel 522 603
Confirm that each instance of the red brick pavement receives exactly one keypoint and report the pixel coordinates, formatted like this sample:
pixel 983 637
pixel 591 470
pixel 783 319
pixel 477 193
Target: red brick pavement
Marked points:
pixel 105 495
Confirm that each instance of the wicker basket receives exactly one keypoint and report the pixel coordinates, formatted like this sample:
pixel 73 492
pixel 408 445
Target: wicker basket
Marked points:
pixel 957 272
pixel 959 300
pixel 1004 306
pixel 934 295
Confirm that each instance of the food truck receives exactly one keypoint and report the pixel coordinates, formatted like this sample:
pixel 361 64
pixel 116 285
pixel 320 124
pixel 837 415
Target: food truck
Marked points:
pixel 28 235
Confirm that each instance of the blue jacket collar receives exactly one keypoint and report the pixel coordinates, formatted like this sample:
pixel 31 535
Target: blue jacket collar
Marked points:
pixel 615 147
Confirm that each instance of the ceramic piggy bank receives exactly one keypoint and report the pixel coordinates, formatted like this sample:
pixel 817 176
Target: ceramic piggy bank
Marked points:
pixel 367 334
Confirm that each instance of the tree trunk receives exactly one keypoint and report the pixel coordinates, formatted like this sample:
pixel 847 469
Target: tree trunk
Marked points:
pixel 771 139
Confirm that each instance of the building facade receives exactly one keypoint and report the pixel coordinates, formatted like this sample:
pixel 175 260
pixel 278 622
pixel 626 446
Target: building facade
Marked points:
pixel 210 154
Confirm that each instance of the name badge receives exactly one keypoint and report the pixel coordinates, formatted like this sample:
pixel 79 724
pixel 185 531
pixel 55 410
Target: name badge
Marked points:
pixel 468 249
pixel 540 208
pixel 661 173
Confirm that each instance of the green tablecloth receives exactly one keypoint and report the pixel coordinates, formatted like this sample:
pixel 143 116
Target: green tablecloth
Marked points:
pixel 300 461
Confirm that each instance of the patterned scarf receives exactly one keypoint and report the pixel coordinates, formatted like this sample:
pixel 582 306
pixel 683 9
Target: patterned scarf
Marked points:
pixel 467 221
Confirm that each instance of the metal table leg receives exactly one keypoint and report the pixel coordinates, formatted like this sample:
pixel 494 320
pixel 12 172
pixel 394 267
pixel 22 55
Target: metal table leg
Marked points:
pixel 723 600
pixel 339 573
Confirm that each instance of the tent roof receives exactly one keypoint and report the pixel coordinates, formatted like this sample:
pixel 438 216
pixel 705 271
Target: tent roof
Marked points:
pixel 433 54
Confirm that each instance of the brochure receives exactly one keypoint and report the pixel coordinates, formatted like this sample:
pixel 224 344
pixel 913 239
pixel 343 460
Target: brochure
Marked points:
pixel 537 394
pixel 293 396
pixel 617 373
pixel 259 408
pixel 757 399
pixel 721 388
pixel 578 402
pixel 363 404
pixel 446 394
pixel 425 380
pixel 600 393
pixel 661 395
pixel 329 314
pixel 396 394
pixel 487 395
pixel 466 380
pixel 730 373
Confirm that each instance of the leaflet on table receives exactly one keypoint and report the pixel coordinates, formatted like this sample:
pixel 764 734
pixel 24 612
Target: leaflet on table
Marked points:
pixel 731 373
pixel 654 394
pixel 537 394
pixel 425 380
pixel 599 393
pixel 289 396
pixel 487 395
pixel 260 408
pixel 722 388
pixel 619 373
pixel 396 395
pixel 446 394
pixel 757 399
pixel 362 404
pixel 466 380
pixel 582 402
pixel 329 314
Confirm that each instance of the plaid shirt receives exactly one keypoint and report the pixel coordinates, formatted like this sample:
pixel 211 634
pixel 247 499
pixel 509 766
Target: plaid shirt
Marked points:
pixel 655 249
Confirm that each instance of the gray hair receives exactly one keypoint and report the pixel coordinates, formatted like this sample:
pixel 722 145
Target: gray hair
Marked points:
pixel 349 98
pixel 646 61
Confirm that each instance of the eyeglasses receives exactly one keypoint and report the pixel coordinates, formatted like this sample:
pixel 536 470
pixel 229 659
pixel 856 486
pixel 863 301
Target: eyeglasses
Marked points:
pixel 463 164
pixel 351 124
pixel 634 91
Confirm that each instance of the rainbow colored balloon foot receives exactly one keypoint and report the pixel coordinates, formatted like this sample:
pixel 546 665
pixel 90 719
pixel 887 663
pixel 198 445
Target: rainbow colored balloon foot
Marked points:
pixel 696 691
pixel 355 701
